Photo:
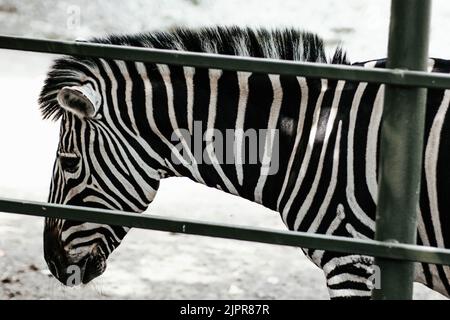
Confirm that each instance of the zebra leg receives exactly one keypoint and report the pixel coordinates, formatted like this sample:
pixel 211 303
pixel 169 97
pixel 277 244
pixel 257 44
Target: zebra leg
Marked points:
pixel 347 276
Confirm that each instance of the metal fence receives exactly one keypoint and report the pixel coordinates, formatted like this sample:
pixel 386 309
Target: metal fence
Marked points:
pixel 400 150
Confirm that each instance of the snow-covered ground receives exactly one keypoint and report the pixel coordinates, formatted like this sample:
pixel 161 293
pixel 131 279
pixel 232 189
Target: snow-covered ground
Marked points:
pixel 153 264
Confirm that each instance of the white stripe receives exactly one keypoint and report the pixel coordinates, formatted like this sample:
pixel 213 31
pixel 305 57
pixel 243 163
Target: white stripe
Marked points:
pixel 189 76
pixel 301 121
pixel 165 74
pixel 308 152
pixel 81 240
pixel 372 141
pixel 96 187
pixel 355 234
pixel 131 190
pixel 240 119
pixel 113 149
pixel 151 172
pixel 87 227
pixel 150 110
pixel 340 216
pixel 214 76
pixel 71 134
pixel 430 65
pixel 350 259
pixel 112 124
pixel 350 190
pixel 99 170
pixel 426 242
pixel 99 200
pixel 268 145
pixel 343 277
pixel 128 89
pixel 330 124
pixel 331 187
pixel 348 293
pixel 81 186
pixel 431 159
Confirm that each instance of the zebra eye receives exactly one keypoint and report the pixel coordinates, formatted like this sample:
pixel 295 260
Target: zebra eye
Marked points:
pixel 69 163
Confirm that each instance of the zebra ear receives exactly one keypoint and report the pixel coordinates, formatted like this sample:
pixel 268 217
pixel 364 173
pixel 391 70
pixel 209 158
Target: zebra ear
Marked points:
pixel 82 101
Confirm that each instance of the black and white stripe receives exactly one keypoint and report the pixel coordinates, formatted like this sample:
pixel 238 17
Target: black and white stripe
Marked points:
pixel 114 155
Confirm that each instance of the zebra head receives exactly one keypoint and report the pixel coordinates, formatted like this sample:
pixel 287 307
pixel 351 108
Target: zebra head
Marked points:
pixel 96 166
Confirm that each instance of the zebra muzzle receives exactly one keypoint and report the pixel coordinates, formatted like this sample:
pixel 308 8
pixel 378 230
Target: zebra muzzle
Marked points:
pixel 83 271
pixel 94 266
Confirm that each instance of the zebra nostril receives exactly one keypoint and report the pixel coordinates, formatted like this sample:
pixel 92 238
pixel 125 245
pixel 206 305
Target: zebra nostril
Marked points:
pixel 53 269
pixel 58 269
pixel 88 270
pixel 93 266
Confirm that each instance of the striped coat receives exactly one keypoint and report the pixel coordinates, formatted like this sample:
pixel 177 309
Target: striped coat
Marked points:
pixel 126 125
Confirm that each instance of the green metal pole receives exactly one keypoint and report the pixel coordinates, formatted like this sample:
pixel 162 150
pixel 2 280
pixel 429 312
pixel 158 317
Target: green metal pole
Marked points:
pixel 401 145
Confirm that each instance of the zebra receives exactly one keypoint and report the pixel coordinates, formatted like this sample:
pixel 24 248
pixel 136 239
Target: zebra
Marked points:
pixel 118 119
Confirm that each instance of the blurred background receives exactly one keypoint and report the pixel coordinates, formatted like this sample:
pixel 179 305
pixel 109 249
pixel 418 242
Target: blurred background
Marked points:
pixel 151 264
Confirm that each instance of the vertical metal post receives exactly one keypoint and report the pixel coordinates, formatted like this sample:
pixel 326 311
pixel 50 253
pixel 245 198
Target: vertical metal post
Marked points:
pixel 401 145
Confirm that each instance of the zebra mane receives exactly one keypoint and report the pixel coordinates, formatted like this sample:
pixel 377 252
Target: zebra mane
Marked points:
pixel 284 44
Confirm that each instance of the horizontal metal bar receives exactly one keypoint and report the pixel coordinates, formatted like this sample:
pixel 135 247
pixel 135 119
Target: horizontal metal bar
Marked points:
pixel 287 238
pixel 226 62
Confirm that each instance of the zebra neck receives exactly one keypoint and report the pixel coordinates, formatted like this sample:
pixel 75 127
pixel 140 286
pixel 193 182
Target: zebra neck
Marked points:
pixel 187 108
